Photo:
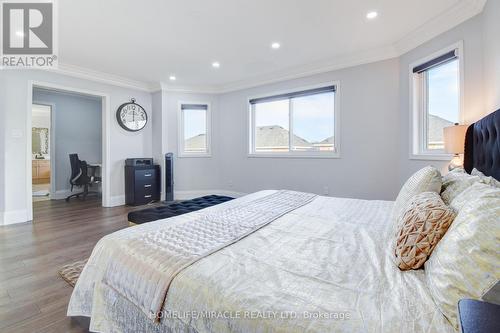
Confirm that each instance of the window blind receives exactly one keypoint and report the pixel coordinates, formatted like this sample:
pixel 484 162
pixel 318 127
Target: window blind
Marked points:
pixel 449 56
pixel 293 94
pixel 194 107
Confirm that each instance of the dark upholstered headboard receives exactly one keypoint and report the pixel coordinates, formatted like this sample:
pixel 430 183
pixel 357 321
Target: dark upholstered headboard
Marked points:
pixel 482 146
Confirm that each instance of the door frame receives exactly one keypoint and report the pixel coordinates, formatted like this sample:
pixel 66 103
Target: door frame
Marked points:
pixel 106 138
pixel 52 136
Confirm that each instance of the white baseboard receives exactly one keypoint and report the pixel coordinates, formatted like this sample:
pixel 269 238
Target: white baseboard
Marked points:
pixel 13 217
pixel 186 195
pixel 117 200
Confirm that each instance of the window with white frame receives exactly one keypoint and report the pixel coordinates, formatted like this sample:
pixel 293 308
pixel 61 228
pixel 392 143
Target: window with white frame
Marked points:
pixel 194 129
pixel 436 101
pixel 299 123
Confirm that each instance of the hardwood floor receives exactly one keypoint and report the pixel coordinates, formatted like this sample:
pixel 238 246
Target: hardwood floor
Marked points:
pixel 33 297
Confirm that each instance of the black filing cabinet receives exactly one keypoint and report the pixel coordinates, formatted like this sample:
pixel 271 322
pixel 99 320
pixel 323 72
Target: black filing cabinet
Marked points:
pixel 142 184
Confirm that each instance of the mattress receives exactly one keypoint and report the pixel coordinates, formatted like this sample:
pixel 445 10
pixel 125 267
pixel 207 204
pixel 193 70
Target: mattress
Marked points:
pixel 322 267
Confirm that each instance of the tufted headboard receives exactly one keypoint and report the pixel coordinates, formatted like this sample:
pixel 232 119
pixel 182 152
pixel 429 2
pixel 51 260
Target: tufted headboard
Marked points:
pixel 482 146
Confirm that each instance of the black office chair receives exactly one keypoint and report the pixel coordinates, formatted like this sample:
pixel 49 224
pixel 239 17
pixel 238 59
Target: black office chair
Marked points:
pixel 80 176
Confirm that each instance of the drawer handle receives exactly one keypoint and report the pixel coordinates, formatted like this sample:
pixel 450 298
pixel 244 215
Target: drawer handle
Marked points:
pixel 147 196
pixel 147 175
pixel 148 185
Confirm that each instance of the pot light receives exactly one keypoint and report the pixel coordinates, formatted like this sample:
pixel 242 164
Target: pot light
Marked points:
pixel 275 45
pixel 215 64
pixel 371 15
pixel 172 78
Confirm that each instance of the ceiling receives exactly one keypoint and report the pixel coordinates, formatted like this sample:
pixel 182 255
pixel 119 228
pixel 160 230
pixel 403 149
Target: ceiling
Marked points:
pixel 142 43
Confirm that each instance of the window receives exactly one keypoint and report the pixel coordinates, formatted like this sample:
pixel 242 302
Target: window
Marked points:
pixel 436 101
pixel 194 131
pixel 300 123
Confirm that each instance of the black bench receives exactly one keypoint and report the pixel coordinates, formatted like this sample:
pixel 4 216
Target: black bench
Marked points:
pixel 174 209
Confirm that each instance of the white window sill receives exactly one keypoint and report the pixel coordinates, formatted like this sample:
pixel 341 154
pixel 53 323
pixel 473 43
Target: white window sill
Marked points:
pixel 431 157
pixel 292 155
pixel 195 155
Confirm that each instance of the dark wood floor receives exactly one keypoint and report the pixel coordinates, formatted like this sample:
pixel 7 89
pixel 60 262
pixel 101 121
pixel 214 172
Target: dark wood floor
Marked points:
pixel 33 298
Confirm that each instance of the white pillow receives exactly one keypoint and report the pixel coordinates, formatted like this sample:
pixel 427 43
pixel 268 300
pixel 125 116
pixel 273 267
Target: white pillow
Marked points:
pixel 427 179
pixel 485 179
pixel 466 262
pixel 455 183
pixel 470 194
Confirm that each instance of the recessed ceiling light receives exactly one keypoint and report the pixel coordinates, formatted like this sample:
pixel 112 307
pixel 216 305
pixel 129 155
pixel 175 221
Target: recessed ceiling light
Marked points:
pixel 20 33
pixel 371 15
pixel 172 78
pixel 215 64
pixel 275 45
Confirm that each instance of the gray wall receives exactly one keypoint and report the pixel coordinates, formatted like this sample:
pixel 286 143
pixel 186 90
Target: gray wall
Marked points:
pixel 369 123
pixel 470 32
pixel 491 44
pixel 195 173
pixel 77 129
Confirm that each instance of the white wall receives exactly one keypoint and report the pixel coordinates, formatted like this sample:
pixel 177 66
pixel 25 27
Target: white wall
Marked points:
pixel 491 43
pixel 14 109
pixel 78 129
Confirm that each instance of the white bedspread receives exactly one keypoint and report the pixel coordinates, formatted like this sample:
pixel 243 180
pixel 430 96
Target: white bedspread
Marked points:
pixel 323 267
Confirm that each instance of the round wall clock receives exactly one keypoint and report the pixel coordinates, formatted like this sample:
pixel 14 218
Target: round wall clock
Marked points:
pixel 131 116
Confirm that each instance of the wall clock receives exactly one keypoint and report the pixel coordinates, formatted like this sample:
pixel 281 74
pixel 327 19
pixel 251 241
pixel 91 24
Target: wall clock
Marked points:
pixel 131 116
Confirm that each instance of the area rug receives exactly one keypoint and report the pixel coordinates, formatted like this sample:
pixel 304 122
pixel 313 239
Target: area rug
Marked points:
pixel 70 273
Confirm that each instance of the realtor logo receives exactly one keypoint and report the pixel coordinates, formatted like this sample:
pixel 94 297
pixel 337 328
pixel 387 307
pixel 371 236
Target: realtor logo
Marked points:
pixel 28 34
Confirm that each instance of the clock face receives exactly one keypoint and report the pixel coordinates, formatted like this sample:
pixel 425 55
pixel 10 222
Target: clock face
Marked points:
pixel 131 116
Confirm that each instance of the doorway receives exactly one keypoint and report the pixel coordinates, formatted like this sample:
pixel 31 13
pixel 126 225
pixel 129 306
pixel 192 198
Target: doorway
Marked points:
pixel 68 133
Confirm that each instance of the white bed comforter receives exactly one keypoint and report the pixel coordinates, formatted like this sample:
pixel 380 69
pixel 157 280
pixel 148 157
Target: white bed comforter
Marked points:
pixel 323 267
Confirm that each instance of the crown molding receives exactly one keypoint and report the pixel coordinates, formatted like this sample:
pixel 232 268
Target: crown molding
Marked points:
pixel 97 76
pixel 445 21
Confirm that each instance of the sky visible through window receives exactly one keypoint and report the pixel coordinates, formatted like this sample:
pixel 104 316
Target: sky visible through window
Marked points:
pixel 313 116
pixel 443 91
pixel 195 123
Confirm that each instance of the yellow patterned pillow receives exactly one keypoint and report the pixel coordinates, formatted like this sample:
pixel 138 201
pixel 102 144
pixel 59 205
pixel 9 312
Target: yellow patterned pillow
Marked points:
pixel 466 262
pixel 422 224
pixel 427 179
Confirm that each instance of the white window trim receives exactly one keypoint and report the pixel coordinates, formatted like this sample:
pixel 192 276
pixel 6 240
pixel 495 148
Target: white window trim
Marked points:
pixel 292 154
pixel 417 123
pixel 180 130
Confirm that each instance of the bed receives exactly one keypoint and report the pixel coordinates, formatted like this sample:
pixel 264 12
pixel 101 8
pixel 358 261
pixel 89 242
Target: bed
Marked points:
pixel 322 265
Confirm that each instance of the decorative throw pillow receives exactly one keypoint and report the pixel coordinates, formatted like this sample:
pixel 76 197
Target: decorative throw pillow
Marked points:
pixel 485 179
pixel 427 179
pixel 455 183
pixel 466 262
pixel 422 224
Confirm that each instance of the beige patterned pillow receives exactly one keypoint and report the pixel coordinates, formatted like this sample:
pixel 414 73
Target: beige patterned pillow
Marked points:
pixel 466 262
pixel 455 183
pixel 422 224
pixel 427 179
